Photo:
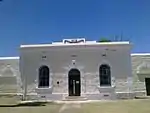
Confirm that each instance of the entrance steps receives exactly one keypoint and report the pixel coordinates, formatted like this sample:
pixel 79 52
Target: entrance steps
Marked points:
pixel 75 98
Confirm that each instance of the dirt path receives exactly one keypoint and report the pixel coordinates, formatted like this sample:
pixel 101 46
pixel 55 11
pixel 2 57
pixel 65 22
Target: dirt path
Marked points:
pixel 70 108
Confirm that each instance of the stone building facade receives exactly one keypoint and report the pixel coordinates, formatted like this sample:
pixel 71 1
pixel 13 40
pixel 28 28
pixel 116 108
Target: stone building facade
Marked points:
pixel 76 68
pixel 88 69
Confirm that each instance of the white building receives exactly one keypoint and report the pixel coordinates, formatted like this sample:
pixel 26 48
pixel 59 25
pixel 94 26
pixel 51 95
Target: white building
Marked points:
pixel 80 68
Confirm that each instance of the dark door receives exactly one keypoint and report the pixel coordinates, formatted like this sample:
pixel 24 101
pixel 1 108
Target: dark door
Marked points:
pixel 147 83
pixel 74 82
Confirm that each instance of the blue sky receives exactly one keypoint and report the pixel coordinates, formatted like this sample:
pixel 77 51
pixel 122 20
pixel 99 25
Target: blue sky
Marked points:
pixel 44 21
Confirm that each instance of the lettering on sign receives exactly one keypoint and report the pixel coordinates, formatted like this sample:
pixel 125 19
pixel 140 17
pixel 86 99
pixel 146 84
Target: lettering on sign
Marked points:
pixel 73 41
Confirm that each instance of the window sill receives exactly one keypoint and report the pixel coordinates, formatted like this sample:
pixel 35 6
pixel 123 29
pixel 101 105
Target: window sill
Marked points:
pixel 143 73
pixel 44 90
pixel 106 89
pixel 43 87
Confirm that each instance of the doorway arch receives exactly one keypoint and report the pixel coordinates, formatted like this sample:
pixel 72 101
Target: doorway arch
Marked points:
pixel 74 85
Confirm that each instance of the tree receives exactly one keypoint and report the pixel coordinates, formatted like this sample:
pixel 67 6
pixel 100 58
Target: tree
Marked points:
pixel 104 40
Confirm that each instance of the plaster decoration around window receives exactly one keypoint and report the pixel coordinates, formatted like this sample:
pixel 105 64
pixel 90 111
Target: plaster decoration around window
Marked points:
pixel 48 90
pixel 43 56
pixel 105 61
pixel 44 76
pixel 73 62
pixel 143 68
pixel 73 56
pixel 105 75
pixel 104 55
pixel 50 73
pixel 70 66
pixel 8 71
pixel 113 81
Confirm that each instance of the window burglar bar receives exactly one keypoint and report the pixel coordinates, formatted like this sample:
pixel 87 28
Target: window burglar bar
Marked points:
pixel 105 75
pixel 43 77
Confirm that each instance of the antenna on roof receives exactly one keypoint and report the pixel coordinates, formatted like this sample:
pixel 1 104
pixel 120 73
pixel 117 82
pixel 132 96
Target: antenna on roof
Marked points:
pixel 121 37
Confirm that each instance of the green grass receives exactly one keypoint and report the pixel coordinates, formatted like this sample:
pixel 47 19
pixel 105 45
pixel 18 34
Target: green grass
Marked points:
pixel 120 106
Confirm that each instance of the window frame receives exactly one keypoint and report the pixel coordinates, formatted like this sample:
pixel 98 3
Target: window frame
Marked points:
pixel 105 75
pixel 43 77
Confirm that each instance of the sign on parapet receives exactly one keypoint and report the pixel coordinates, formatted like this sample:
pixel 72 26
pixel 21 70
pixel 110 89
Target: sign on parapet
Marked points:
pixel 78 40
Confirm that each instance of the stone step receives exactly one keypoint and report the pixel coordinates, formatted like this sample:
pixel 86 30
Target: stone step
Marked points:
pixel 75 98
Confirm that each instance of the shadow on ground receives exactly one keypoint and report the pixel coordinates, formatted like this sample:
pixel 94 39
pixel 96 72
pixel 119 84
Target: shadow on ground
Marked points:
pixel 30 104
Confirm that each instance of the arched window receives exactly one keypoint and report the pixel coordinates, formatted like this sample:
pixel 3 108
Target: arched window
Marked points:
pixel 105 75
pixel 43 77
